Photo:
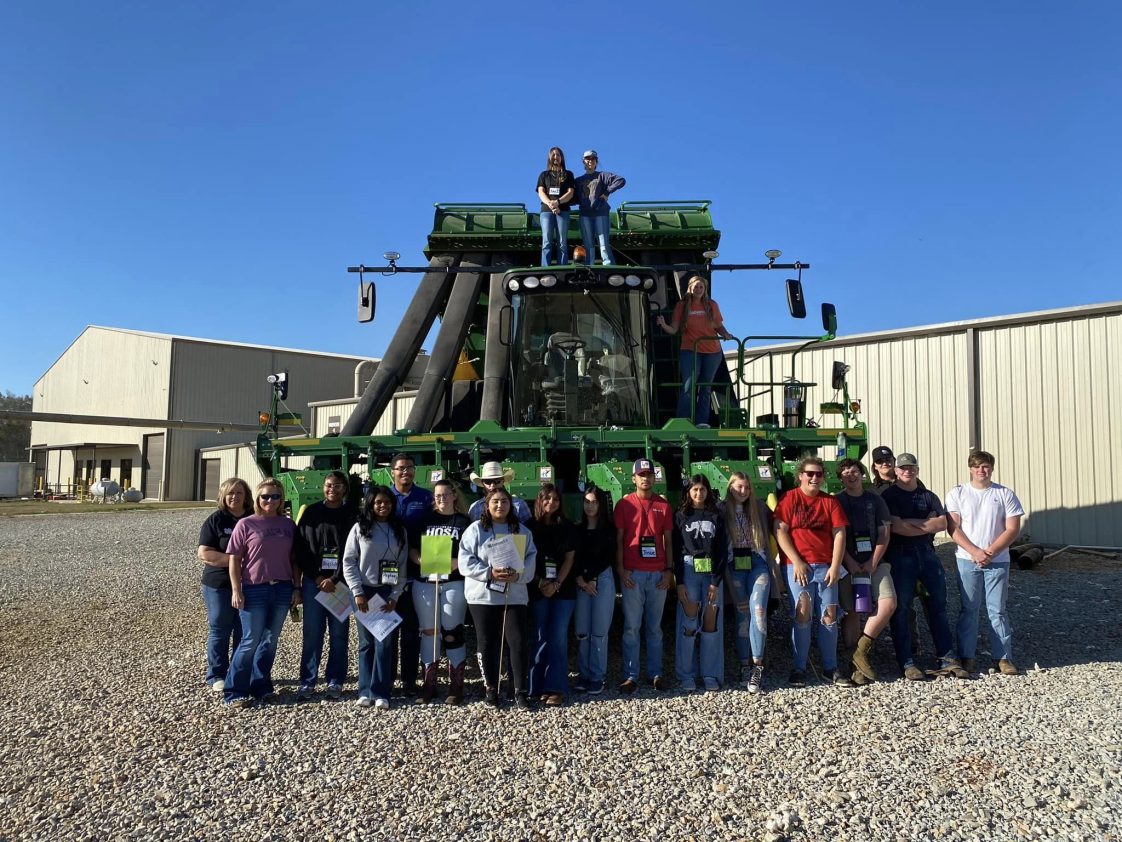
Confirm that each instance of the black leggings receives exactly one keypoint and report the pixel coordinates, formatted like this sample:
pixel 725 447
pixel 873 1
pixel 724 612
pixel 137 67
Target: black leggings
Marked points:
pixel 488 621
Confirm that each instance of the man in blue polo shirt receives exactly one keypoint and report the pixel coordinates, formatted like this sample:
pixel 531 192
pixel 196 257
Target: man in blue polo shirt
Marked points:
pixel 413 504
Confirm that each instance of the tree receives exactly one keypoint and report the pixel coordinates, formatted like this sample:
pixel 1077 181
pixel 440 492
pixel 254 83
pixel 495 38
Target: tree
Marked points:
pixel 15 436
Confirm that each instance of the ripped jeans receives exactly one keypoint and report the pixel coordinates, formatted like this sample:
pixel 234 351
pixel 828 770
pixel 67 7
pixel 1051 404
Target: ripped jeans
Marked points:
pixel 750 592
pixel 691 634
pixel 592 620
pixel 816 599
pixel 452 610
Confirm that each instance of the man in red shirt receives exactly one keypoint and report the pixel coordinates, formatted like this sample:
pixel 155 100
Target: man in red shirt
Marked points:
pixel 644 561
pixel 810 529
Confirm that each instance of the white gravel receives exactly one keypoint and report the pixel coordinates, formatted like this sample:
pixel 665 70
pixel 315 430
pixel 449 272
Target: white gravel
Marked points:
pixel 108 732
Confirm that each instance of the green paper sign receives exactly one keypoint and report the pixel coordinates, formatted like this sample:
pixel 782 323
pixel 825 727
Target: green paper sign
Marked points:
pixel 436 555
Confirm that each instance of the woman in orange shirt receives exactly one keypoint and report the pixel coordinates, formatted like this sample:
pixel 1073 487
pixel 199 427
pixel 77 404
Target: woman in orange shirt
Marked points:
pixel 699 318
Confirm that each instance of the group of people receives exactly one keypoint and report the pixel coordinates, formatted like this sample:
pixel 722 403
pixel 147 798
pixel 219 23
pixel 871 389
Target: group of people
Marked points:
pixel 528 575
pixel 559 190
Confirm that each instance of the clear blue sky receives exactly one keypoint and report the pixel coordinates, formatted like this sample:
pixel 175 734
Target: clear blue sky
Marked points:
pixel 210 169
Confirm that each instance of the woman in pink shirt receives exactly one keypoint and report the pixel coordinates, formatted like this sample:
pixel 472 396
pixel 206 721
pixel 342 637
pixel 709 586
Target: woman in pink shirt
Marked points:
pixel 699 319
pixel 262 572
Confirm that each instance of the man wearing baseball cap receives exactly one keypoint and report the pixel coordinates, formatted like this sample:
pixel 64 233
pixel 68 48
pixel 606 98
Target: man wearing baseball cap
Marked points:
pixel 884 468
pixel 644 560
pixel 917 515
pixel 593 189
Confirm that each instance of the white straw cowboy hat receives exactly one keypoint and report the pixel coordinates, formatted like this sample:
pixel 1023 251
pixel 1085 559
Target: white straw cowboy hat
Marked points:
pixel 492 470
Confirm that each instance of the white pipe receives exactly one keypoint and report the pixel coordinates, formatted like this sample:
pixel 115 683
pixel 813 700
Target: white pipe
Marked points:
pixel 1081 547
pixel 358 375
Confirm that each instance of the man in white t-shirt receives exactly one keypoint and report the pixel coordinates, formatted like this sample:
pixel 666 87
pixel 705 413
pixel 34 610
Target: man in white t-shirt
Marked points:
pixel 985 518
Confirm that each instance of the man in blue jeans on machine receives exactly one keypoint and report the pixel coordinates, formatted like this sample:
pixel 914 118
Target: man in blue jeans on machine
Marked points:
pixel 644 560
pixel 917 516
pixel 593 189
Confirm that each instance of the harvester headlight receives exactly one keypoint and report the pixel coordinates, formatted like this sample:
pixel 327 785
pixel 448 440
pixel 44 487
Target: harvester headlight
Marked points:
pixel 513 285
pixel 709 255
pixel 772 255
pixel 530 282
pixel 615 280
pixel 648 283
pixel 855 406
pixel 549 280
pixel 632 281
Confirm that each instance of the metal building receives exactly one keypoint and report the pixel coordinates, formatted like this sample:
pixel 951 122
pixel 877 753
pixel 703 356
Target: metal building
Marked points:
pixel 1041 391
pixel 136 374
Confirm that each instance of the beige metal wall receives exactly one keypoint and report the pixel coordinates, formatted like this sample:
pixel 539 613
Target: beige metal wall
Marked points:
pixel 103 372
pixel 236 460
pixel 1050 396
pixel 1038 390
pixel 392 419
pixel 227 383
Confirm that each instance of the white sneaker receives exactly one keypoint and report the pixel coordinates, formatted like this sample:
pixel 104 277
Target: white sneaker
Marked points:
pixel 364 702
pixel 218 685
pixel 381 704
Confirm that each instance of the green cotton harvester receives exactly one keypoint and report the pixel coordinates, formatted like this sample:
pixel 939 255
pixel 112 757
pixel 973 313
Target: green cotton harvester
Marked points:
pixel 562 374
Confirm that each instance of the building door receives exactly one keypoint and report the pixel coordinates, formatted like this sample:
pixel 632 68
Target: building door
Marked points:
pixel 152 471
pixel 106 467
pixel 126 473
pixel 211 478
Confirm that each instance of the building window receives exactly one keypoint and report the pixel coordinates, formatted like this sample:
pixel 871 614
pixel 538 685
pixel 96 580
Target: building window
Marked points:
pixel 106 467
pixel 126 473
pixel 334 425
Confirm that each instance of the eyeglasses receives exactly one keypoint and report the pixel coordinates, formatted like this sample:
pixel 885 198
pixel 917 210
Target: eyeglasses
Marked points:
pixel 406 470
pixel 443 496
pixel 268 497
pixel 906 469
pixel 814 473
pixel 382 501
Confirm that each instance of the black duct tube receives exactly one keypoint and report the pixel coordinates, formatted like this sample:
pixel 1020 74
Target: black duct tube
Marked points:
pixel 449 342
pixel 402 351
pixel 497 362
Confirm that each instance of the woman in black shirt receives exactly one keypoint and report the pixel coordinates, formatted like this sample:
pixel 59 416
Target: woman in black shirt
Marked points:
pixel 594 541
pixel 556 189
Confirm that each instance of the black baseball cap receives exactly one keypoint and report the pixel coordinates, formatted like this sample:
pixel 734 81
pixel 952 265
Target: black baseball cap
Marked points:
pixel 882 454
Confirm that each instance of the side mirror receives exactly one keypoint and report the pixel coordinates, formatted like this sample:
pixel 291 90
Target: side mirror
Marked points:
pixel 366 301
pixel 837 375
pixel 796 304
pixel 830 319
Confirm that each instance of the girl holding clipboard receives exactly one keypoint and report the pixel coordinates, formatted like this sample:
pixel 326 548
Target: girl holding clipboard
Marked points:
pixel 440 591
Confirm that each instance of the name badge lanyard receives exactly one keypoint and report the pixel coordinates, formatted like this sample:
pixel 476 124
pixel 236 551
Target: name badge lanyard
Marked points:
pixel 647 542
pixel 506 604
pixel 870 525
pixel 389 575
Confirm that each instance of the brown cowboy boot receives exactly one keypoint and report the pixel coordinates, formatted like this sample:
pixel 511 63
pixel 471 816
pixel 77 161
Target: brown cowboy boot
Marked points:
pixel 455 685
pixel 428 689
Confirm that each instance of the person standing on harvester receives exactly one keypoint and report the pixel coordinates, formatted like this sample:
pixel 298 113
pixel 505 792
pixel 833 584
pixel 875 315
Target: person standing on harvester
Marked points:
pixel 593 189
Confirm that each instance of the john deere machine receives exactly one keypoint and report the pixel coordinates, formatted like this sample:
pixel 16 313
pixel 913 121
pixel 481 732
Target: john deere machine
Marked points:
pixel 561 372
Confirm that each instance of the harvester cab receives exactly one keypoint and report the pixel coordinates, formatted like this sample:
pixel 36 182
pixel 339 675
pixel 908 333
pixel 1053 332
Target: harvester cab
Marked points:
pixel 562 373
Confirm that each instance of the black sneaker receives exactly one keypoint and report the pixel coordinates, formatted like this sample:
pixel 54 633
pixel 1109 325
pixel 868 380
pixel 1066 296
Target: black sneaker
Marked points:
pixel 581 685
pixel 840 679
pixel 522 701
pixel 756 679
pixel 797 678
pixel 491 696
pixel 659 684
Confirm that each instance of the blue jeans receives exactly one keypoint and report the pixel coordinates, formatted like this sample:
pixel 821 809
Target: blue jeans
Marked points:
pixel 376 658
pixel 317 620
pixel 592 620
pixel 642 609
pixel 224 632
pixel 452 611
pixel 593 230
pixel 711 663
pixel 750 592
pixel 820 597
pixel 549 657
pixel 555 235
pixel 707 365
pixel 251 669
pixel 993 582
pixel 919 564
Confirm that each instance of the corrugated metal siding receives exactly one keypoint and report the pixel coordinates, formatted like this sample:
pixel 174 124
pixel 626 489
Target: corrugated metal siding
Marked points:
pixel 321 414
pixel 1046 389
pixel 227 383
pixel 1050 395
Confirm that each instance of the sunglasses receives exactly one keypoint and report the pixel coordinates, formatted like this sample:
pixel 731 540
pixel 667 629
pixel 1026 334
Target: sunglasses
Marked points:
pixel 814 473
pixel 268 497
pixel 490 482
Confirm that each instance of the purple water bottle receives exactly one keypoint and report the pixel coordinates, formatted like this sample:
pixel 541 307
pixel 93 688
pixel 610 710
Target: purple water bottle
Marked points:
pixel 862 595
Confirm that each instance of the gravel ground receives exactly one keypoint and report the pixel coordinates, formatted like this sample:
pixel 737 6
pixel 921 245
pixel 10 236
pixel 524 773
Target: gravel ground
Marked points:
pixel 108 731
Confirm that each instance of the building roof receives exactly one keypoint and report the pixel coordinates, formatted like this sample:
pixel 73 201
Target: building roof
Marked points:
pixel 1060 314
pixel 225 342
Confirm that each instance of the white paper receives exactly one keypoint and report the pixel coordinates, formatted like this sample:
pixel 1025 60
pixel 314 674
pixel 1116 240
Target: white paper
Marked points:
pixel 504 552
pixel 378 622
pixel 337 603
